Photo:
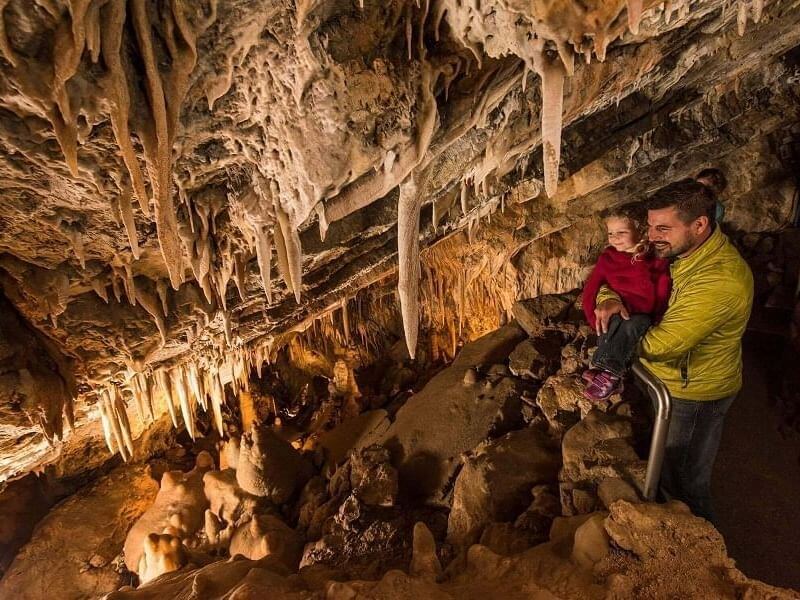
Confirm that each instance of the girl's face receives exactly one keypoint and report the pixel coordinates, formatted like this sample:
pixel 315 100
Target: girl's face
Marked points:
pixel 621 234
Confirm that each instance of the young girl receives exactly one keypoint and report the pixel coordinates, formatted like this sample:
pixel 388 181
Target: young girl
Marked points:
pixel 642 281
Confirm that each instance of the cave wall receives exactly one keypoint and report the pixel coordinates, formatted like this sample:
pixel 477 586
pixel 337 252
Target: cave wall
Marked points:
pixel 153 155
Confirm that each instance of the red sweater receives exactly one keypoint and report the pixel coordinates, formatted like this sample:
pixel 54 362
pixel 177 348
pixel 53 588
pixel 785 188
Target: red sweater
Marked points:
pixel 644 284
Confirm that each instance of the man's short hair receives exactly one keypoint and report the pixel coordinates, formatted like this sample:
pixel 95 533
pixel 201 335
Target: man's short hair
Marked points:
pixel 691 199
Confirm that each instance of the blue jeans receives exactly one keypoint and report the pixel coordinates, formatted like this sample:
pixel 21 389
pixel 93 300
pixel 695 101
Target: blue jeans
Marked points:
pixel 695 430
pixel 616 347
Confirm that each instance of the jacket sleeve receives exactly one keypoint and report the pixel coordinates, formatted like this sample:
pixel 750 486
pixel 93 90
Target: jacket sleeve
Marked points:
pixel 663 289
pixel 695 313
pixel 593 283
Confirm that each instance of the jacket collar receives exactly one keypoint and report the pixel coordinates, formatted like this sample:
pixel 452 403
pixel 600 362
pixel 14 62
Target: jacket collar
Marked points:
pixel 707 249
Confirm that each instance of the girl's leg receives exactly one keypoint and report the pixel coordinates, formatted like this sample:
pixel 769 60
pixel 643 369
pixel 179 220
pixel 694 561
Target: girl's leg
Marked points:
pixel 616 348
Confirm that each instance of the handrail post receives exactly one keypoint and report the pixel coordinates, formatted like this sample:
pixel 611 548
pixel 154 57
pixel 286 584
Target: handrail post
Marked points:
pixel 663 400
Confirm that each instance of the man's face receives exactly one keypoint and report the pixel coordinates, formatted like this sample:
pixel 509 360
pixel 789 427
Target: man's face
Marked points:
pixel 672 237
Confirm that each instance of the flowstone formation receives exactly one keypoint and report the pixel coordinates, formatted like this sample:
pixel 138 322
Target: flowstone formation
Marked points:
pixel 189 186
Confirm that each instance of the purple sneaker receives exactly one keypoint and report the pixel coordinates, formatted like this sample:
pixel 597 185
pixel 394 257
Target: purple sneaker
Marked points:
pixel 589 374
pixel 603 385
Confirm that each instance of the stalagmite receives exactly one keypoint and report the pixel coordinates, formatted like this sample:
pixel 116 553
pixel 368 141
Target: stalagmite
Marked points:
pixel 552 105
pixel 408 210
pixel 264 257
pixel 179 384
pixel 163 382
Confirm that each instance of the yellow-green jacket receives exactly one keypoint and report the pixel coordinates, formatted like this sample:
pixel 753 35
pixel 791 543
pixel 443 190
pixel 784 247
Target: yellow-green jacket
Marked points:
pixel 696 349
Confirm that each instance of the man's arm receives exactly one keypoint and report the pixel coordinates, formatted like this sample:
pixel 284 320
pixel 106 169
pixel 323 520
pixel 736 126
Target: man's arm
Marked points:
pixel 693 316
pixel 608 304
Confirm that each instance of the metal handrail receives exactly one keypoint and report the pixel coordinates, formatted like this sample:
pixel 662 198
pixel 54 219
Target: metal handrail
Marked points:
pixel 661 396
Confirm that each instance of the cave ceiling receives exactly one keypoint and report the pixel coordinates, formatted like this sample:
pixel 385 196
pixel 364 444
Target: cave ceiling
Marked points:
pixel 189 180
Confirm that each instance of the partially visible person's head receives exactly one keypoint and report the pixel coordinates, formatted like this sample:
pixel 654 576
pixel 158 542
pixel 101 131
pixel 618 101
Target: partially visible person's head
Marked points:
pixel 625 228
pixel 714 179
pixel 680 217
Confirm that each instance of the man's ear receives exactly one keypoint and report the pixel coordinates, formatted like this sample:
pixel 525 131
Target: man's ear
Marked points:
pixel 701 224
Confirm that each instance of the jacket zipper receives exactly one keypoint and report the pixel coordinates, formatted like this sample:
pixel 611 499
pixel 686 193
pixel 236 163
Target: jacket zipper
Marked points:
pixel 685 370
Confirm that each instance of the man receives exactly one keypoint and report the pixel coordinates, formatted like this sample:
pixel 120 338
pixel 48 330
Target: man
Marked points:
pixel 696 350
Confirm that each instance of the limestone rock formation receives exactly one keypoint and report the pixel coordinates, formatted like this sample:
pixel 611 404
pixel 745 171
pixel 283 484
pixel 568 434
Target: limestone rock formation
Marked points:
pixel 178 511
pixel 496 480
pixel 72 551
pixel 267 535
pixel 269 467
pixel 447 418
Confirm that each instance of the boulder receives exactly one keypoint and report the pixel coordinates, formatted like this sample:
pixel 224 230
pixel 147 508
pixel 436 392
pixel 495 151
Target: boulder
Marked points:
pixel 448 417
pixel 362 541
pixel 352 434
pixel 496 480
pixel 71 552
pixel 612 489
pixel 563 393
pixel 268 466
pixel 598 447
pixel 537 358
pixel 537 519
pixel 591 542
pixel 267 535
pixel 372 477
pixel 178 509
pixel 535 315
pixel 227 500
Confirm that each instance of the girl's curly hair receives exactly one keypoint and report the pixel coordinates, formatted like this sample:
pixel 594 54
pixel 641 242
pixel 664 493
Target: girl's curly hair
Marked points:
pixel 636 215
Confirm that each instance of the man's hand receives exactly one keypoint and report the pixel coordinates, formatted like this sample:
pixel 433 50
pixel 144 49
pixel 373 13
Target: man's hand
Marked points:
pixel 607 309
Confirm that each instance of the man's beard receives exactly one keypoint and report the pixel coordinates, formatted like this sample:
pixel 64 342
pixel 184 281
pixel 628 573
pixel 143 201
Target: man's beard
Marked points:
pixel 665 250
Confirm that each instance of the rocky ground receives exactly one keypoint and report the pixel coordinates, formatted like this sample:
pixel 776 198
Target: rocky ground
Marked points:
pixel 496 479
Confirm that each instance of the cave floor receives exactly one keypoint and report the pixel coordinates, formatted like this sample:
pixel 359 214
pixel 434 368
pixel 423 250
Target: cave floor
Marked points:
pixel 756 482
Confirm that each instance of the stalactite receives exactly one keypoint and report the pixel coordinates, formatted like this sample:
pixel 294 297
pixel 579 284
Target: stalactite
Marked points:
pixel 217 393
pixel 163 296
pixel 264 256
pixel 292 251
pixel 408 210
pixel 116 85
pixel 634 15
pixel 126 212
pixel 152 305
pixel 758 10
pixel 741 17
pixel 118 405
pixel 106 423
pixel 163 381
pixel 196 385
pixel 552 105
pixel 179 384
pixel 109 398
